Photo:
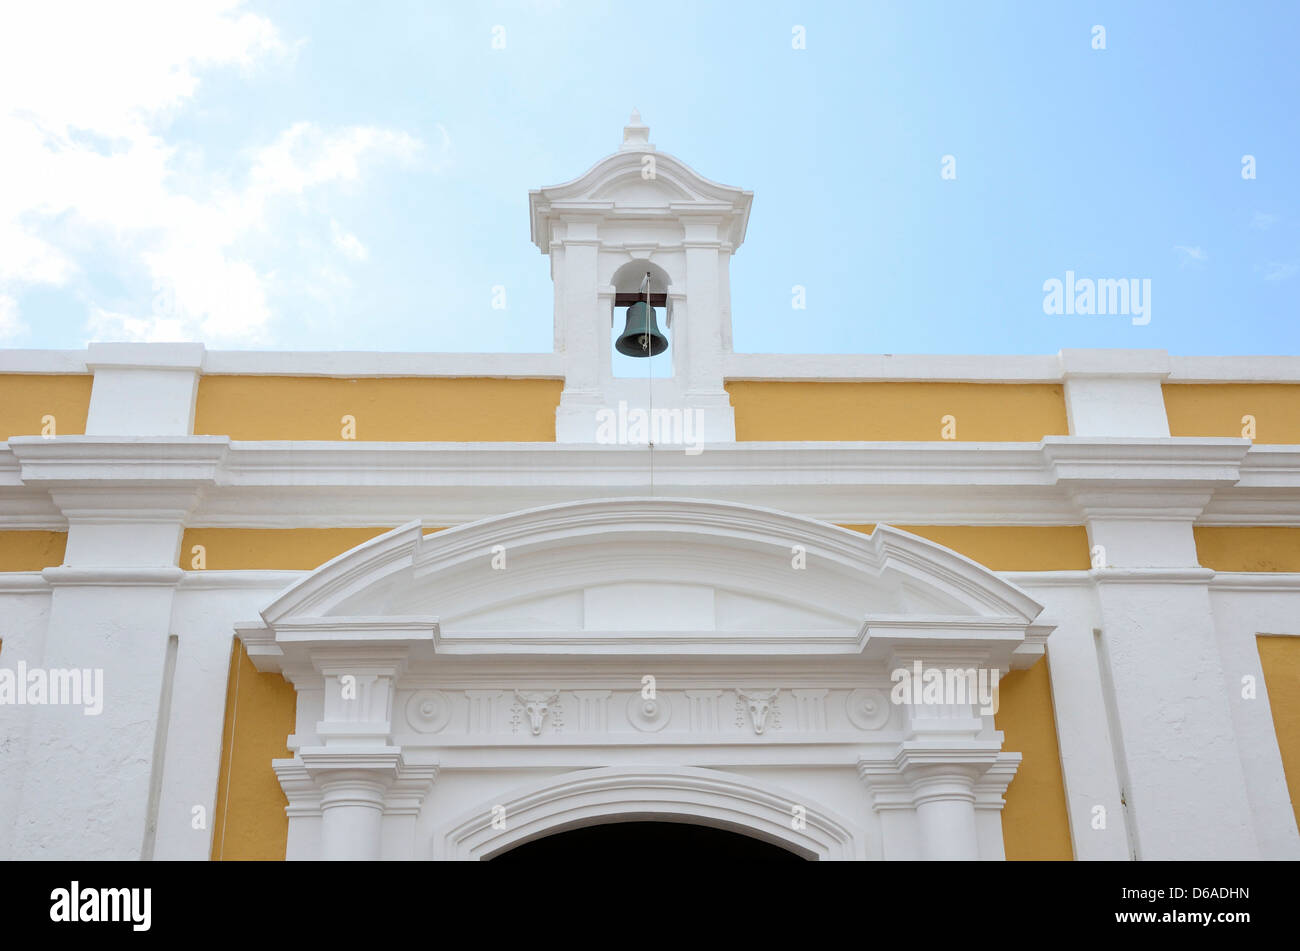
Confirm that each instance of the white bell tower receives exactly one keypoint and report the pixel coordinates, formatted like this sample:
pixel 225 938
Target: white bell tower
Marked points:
pixel 635 212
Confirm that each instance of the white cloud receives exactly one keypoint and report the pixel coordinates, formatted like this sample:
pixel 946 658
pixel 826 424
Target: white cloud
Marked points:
pixel 1188 254
pixel 1280 270
pixel 1263 220
pixel 306 155
pixel 111 68
pixel 10 325
pixel 347 242
pixel 81 116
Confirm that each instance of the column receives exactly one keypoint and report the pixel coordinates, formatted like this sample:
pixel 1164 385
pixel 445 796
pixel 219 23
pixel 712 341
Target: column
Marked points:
pixel 936 783
pixel 353 777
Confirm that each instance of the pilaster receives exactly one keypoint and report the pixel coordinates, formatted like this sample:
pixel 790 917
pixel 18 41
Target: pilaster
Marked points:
pixel 1157 642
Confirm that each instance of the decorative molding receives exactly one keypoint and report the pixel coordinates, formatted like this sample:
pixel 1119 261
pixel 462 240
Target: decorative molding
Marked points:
pixel 761 707
pixel 593 710
pixel 909 776
pixel 847 560
pixel 253 579
pixel 706 796
pixel 161 576
pixel 409 788
pixel 992 786
pixel 119 463
pixel 651 715
pixel 23 582
pixel 534 706
pixel 703 710
pixel 428 711
pixel 482 712
pixel 1255 581
pixel 298 484
pixel 556 204
pixel 404 785
pixel 810 709
pixel 867 708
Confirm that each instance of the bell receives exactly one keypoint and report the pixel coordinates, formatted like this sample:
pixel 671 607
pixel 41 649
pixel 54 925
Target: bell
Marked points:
pixel 642 336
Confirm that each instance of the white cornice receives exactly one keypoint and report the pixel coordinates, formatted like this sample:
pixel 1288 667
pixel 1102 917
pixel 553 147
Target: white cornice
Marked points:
pixel 145 356
pixel 975 368
pixel 88 461
pixel 1271 467
pixel 310 484
pixel 1248 369
pixel 364 364
pixel 43 361
pixel 1119 460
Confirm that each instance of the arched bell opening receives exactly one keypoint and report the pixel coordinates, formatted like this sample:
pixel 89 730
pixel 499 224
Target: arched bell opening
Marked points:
pixel 641 321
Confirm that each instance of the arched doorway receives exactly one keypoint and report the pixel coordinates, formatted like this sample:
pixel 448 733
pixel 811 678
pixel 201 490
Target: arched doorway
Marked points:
pixel 640 839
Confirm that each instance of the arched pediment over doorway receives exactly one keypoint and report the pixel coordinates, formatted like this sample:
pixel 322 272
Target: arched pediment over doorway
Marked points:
pixel 475 657
pixel 655 576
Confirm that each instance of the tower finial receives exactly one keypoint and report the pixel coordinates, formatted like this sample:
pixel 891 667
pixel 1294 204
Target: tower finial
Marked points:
pixel 636 134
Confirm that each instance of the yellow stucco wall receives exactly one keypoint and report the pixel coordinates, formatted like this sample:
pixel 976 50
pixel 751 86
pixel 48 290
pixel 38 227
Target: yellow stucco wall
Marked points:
pixel 22 550
pixel 1248 547
pixel 1216 409
pixel 26 398
pixel 285 549
pixel 1009 547
pixel 1035 824
pixel 984 412
pixel 388 409
pixel 1280 659
pixel 250 822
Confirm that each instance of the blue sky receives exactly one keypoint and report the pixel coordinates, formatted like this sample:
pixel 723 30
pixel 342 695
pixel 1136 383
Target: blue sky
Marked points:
pixel 355 175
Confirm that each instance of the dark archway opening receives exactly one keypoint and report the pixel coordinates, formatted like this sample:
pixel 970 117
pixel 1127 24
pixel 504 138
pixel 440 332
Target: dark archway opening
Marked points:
pixel 615 840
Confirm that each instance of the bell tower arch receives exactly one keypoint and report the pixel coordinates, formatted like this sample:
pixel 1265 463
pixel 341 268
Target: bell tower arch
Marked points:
pixel 635 212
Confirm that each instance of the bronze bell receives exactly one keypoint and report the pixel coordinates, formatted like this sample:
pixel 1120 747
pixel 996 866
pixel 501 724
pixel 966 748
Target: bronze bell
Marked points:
pixel 642 336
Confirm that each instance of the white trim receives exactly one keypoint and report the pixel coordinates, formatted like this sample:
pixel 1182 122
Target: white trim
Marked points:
pixel 215 579
pixel 706 796
pixel 278 484
pixel 1252 369
pixel 23 582
pixel 144 356
pixel 349 364
pixel 922 367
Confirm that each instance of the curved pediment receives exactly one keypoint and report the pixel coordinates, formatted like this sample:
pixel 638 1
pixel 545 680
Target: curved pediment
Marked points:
pixel 631 188
pixel 623 575
pixel 637 182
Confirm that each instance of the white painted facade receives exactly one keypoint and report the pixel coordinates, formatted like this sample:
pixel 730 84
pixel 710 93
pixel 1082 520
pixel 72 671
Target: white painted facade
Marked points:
pixel 524 687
